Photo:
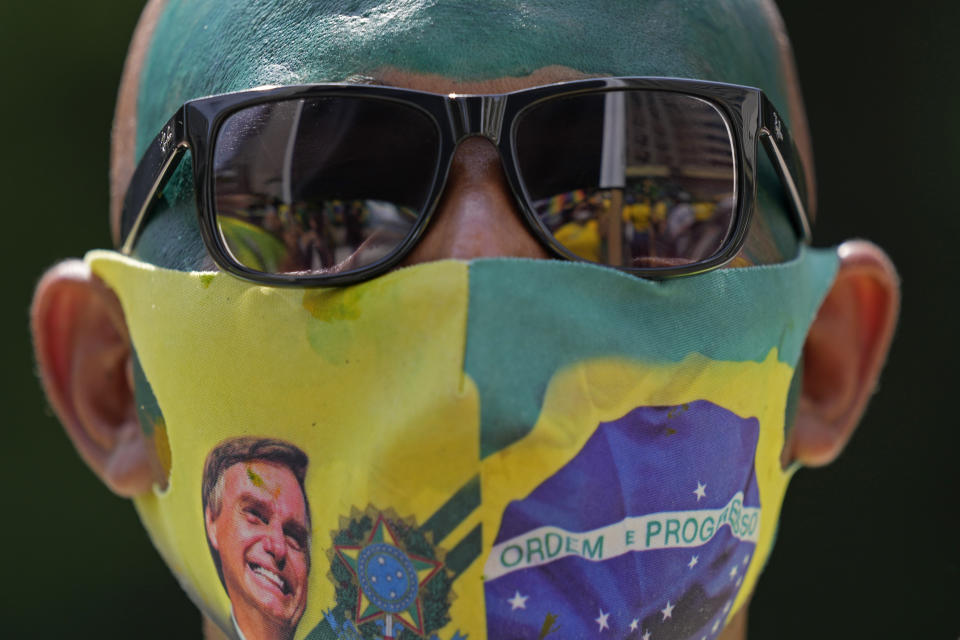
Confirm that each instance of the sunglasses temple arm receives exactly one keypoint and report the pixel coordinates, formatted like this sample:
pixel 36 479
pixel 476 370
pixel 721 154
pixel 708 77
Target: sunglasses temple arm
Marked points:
pixel 155 168
pixel 785 157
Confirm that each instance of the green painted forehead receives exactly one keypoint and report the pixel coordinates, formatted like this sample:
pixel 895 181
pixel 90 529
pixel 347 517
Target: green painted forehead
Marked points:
pixel 202 47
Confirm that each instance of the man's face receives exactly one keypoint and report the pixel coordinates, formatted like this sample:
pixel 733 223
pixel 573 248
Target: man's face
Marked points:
pixel 261 534
pixel 201 48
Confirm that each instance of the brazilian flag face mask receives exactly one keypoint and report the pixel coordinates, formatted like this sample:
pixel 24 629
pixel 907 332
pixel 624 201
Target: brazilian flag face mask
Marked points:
pixel 495 449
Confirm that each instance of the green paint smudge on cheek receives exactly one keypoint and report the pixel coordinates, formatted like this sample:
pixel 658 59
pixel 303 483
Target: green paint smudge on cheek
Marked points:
pixel 206 279
pixel 148 409
pixel 333 327
pixel 334 305
pixel 330 329
pixel 331 342
pixel 334 312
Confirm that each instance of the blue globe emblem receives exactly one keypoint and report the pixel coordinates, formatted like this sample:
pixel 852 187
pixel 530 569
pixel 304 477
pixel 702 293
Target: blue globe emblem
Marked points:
pixel 387 577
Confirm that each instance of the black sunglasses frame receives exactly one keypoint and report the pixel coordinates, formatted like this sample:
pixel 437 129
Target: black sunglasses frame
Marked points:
pixel 749 114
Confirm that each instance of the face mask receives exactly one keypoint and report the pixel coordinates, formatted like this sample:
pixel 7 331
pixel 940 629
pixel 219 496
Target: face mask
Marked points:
pixel 500 448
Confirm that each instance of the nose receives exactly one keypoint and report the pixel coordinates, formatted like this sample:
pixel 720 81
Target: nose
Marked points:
pixel 274 543
pixel 477 215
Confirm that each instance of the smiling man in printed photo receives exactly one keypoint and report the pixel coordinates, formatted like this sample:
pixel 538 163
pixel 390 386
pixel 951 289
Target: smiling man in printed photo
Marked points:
pixel 258 528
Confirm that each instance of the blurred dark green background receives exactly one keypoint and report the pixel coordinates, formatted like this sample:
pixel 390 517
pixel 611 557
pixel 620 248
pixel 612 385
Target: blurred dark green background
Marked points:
pixel 868 547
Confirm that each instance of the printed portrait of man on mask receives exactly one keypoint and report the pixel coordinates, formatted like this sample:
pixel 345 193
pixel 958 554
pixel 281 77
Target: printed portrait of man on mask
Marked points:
pixel 539 307
pixel 258 527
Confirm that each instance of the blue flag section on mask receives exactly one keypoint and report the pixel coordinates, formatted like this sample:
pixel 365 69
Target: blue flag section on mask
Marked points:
pixel 646 533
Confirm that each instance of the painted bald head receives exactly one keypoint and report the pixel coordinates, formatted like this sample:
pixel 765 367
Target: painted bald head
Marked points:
pixel 184 50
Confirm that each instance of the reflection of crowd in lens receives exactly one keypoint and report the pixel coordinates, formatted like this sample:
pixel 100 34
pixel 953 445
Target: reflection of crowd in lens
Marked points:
pixel 311 235
pixel 647 224
pixel 286 238
pixel 652 222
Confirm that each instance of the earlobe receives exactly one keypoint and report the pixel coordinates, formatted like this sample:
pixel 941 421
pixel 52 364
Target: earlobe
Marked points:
pixel 83 355
pixel 844 353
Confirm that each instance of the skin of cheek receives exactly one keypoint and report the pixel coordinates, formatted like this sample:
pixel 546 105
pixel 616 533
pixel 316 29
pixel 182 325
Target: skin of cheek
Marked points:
pixel 273 42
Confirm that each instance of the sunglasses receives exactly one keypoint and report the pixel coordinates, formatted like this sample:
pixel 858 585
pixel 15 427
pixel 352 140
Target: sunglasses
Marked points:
pixel 333 184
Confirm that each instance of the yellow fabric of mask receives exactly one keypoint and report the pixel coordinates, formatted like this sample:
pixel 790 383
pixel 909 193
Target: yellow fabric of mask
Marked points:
pixel 408 477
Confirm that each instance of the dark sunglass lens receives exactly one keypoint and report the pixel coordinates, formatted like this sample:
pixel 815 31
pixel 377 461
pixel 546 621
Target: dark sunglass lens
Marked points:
pixel 630 178
pixel 322 185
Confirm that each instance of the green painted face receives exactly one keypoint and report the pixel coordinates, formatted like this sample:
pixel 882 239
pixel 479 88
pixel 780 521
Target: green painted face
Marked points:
pixel 203 47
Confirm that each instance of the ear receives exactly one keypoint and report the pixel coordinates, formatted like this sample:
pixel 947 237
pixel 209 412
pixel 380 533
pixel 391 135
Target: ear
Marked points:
pixel 844 353
pixel 83 355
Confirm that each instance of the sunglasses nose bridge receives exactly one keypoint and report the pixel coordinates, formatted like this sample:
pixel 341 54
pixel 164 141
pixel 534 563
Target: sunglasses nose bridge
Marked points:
pixel 477 116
